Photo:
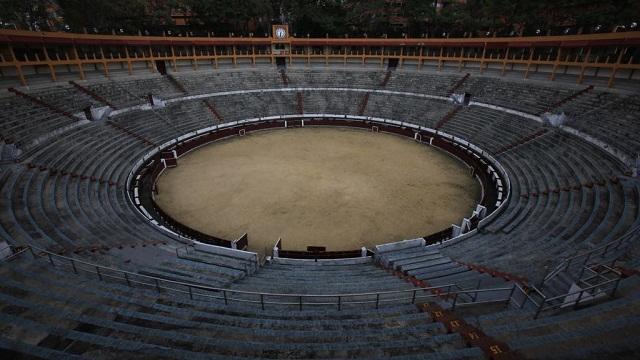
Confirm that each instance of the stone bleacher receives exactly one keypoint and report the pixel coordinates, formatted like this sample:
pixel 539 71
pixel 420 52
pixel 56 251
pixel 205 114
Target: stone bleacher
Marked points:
pixel 24 123
pixel 67 315
pixel 65 97
pixel 610 117
pixel 528 96
pixel 68 195
pixel 125 92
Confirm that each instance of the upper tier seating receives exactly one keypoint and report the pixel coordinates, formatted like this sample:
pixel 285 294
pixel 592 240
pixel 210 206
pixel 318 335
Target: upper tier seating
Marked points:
pixel 202 82
pixel 425 83
pixel 22 122
pixel 64 97
pixel 127 92
pixel 610 117
pixel 528 96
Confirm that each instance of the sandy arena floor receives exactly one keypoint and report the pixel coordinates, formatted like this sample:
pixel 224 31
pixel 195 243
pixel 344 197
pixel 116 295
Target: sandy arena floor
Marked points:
pixel 332 187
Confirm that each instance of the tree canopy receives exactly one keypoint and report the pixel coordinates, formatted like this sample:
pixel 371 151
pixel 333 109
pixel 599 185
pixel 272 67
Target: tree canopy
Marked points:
pixel 325 17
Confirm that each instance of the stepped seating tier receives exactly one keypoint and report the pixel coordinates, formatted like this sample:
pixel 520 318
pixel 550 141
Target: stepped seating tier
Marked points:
pixel 97 318
pixel 67 194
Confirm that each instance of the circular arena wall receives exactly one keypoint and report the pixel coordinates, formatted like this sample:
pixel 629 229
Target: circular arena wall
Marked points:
pixel 338 188
pixel 491 176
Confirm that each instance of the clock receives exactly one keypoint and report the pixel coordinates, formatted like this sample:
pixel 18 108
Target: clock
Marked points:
pixel 281 33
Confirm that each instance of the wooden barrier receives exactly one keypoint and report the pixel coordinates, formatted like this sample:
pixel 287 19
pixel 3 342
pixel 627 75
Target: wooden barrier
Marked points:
pixel 609 56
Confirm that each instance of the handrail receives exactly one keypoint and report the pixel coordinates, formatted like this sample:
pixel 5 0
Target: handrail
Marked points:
pixel 564 264
pixel 579 299
pixel 204 287
pixel 581 290
pixel 15 252
pixel 528 297
pixel 261 298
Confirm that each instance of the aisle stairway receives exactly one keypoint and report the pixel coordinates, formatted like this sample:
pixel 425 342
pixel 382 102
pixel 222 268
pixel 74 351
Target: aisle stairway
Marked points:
pixel 430 267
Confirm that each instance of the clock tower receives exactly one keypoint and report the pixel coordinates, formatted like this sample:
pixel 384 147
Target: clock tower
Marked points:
pixel 280 32
pixel 280 41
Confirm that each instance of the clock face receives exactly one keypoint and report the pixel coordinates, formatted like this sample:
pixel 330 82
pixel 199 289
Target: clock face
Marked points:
pixel 281 33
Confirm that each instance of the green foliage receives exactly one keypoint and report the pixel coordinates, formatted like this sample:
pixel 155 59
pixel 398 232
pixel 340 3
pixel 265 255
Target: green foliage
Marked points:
pixel 370 17
pixel 224 16
pixel 421 16
pixel 25 14
pixel 332 17
pixel 129 15
pixel 314 17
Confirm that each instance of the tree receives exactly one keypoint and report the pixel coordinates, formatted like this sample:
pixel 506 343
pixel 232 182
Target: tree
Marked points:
pixel 369 17
pixel 105 15
pixel 333 17
pixel 25 14
pixel 223 16
pixel 313 17
pixel 421 16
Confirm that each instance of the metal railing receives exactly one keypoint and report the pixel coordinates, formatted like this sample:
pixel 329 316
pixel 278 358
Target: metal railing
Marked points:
pixel 515 295
pixel 240 243
pixel 248 266
pixel 582 260
pixel 571 299
pixel 15 252
pixel 576 298
pixel 228 296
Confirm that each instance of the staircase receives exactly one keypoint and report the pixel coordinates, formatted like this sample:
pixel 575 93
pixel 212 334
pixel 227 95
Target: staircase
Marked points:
pixel 362 107
pixel 448 116
pixel 458 84
pixel 523 281
pixel 42 103
pixel 473 335
pixel 300 99
pixel 284 77
pixel 567 99
pixel 92 94
pixel 176 84
pixel 63 172
pixel 123 129
pixel 213 110
pixel 363 104
pixel 521 141
pixel 595 283
pixel 386 79
pixel 428 267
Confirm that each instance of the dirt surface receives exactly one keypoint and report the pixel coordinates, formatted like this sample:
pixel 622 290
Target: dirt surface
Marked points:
pixel 339 188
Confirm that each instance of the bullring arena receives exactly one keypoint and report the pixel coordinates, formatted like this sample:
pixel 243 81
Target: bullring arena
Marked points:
pixel 338 188
pixel 435 198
